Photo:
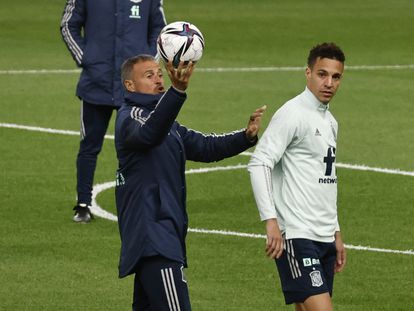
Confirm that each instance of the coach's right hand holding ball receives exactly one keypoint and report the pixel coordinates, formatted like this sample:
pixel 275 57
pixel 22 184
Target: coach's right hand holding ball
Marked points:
pixel 180 76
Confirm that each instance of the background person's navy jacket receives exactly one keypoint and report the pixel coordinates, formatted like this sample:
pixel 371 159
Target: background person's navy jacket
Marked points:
pixel 100 35
pixel 152 149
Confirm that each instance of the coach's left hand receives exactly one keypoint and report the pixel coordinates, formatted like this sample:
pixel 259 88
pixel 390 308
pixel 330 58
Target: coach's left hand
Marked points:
pixel 254 123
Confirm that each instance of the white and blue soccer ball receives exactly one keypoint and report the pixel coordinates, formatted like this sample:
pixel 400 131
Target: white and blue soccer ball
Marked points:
pixel 180 41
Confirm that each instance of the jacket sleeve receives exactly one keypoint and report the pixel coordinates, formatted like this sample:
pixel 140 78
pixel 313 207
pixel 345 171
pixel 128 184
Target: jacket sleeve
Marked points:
pixel 143 132
pixel 71 25
pixel 156 23
pixel 208 148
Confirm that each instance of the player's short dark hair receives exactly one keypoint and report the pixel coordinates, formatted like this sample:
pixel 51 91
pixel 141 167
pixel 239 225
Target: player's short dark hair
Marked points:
pixel 128 65
pixel 325 50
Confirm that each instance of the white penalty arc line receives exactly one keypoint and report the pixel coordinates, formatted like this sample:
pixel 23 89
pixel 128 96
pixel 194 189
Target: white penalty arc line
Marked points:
pixel 340 165
pixel 217 69
pixel 98 211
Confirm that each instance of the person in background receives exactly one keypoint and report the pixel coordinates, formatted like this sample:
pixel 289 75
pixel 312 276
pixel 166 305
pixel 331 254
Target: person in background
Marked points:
pixel 100 35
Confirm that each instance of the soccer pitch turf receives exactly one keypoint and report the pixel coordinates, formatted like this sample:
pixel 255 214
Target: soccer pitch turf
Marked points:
pixel 254 55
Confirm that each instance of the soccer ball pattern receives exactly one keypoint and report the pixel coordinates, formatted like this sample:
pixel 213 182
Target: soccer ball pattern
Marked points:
pixel 180 41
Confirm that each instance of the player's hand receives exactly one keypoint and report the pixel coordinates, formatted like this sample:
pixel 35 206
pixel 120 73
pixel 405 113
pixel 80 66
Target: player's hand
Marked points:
pixel 340 253
pixel 254 123
pixel 274 240
pixel 180 76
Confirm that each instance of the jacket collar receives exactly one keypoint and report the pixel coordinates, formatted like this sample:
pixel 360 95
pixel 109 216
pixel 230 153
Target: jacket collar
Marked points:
pixel 313 101
pixel 148 101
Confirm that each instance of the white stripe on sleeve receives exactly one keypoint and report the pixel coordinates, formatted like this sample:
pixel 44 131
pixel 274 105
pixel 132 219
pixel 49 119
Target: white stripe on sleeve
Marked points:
pixel 67 36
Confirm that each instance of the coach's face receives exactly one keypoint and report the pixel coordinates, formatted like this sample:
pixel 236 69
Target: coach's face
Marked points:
pixel 324 77
pixel 146 78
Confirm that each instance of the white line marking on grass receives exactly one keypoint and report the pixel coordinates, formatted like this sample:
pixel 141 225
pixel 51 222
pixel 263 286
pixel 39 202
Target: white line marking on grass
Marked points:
pixel 98 211
pixel 95 208
pixel 218 69
pixel 45 130
pixel 201 170
pixel 39 71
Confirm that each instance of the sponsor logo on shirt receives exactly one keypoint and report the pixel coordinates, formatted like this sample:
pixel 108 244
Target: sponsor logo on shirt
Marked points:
pixel 135 12
pixel 328 180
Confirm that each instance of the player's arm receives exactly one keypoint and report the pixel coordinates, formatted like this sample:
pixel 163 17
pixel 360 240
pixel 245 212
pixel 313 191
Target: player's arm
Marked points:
pixel 73 20
pixel 274 239
pixel 340 252
pixel 260 177
pixel 143 133
pixel 268 153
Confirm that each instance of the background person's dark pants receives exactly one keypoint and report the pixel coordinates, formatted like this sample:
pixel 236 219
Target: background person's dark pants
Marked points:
pixel 94 123
pixel 160 285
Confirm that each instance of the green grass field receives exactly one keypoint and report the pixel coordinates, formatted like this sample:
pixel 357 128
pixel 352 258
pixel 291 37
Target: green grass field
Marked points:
pixel 47 262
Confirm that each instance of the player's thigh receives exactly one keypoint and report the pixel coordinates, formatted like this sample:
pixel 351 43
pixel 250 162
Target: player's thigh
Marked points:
pixel 163 284
pixel 321 302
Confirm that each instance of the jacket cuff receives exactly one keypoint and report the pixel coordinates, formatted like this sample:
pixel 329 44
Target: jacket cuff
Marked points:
pixel 177 91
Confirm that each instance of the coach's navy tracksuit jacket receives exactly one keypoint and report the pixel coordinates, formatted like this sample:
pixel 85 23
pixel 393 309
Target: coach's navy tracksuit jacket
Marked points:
pixel 152 149
pixel 100 35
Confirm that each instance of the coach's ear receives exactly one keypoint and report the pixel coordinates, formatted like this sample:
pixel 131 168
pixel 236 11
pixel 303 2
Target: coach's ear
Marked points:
pixel 129 85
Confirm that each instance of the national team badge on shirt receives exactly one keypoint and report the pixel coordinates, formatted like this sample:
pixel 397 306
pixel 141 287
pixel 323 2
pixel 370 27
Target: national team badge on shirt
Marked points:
pixel 316 278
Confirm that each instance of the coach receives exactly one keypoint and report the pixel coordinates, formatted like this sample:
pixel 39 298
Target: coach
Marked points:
pixel 152 150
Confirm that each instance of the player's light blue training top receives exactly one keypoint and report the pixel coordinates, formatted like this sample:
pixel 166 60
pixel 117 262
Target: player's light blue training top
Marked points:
pixel 293 171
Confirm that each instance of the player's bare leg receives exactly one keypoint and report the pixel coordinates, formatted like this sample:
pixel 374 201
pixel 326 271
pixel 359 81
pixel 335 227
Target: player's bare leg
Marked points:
pixel 321 302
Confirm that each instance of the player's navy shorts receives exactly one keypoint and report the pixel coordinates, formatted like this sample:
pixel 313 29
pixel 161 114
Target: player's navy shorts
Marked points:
pixel 160 285
pixel 306 268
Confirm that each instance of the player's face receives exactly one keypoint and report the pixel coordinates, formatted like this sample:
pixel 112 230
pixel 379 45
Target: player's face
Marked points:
pixel 146 78
pixel 324 78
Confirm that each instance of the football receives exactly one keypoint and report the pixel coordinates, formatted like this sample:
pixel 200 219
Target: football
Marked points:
pixel 180 41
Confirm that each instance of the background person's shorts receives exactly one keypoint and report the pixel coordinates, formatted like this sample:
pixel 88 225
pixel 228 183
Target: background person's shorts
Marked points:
pixel 306 268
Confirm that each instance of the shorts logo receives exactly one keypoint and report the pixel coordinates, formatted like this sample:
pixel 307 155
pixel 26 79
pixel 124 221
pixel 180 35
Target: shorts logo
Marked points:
pixel 316 278
pixel 307 262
